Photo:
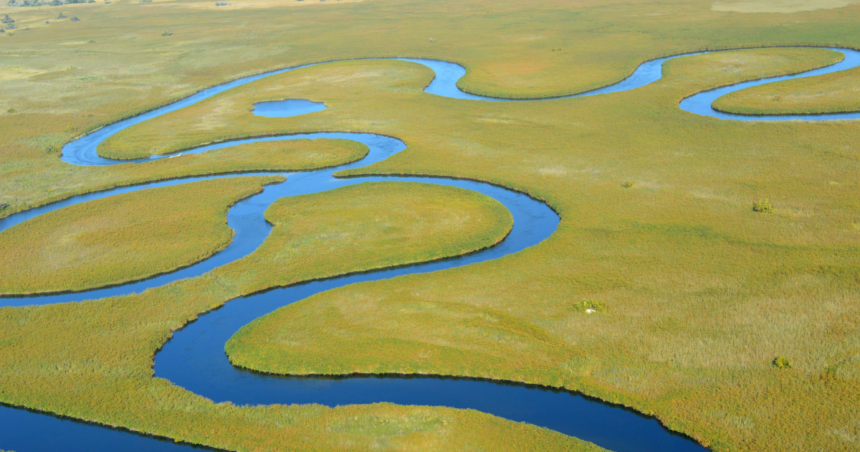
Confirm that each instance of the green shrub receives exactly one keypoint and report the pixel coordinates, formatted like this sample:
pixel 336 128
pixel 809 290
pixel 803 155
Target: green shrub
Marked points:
pixel 7 20
pixel 762 206
pixel 11 111
pixel 627 184
pixel 782 362
pixel 52 149
pixel 3 206
pixel 589 306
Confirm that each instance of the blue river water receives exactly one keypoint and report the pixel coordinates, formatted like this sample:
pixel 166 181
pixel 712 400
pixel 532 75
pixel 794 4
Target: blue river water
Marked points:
pixel 700 103
pixel 195 359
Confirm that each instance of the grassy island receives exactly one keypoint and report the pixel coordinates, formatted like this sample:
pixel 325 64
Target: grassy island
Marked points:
pixel 121 238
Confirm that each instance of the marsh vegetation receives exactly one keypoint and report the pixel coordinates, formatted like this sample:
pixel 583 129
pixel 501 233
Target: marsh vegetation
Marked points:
pixel 121 238
pixel 702 292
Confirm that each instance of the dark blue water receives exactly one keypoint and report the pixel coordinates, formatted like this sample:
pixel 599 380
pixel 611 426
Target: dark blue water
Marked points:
pixel 195 359
pixel 287 108
pixel 22 431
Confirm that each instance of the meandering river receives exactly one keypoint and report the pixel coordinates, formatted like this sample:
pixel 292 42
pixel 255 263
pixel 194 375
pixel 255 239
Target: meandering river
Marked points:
pixel 195 359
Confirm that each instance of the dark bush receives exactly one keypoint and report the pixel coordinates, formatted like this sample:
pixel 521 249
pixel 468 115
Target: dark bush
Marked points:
pixel 782 362
pixel 762 206
pixel 589 306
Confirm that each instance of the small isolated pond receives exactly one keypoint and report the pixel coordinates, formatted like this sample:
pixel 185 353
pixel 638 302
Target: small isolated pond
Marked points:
pixel 287 108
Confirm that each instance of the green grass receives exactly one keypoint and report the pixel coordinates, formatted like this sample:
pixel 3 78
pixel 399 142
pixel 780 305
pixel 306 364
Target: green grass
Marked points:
pixel 381 224
pixel 682 241
pixel 838 92
pixel 702 293
pixel 109 369
pixel 121 238
pixel 292 155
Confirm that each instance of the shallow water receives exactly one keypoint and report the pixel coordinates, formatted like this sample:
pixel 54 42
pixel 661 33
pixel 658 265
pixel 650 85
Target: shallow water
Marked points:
pixel 195 358
pixel 287 108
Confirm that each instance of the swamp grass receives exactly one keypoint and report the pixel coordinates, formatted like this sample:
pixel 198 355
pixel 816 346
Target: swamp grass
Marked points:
pixel 702 292
pixel 121 238
pixel 284 156
pixel 692 274
pixel 117 388
pixel 837 92
pixel 382 224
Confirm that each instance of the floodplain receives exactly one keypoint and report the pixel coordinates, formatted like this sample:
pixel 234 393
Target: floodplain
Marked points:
pixel 705 272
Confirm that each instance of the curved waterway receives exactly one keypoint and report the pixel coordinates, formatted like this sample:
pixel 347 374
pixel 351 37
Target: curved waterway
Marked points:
pixel 195 357
pixel 701 103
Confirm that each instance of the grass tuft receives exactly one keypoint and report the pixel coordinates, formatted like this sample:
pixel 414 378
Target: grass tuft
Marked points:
pixel 781 362
pixel 589 306
pixel 762 206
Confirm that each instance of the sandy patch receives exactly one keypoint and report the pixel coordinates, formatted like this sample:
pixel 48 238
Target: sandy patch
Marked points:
pixel 778 6
pixel 17 73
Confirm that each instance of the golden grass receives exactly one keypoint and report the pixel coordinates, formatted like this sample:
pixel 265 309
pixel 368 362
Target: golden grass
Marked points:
pixel 122 238
pixel 778 6
pixel 380 224
pixel 701 292
pixel 838 92
pixel 259 4
pixel 109 369
pixel 682 242
pixel 290 155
